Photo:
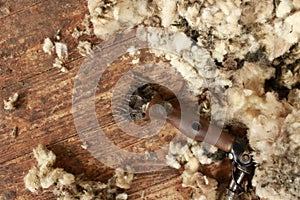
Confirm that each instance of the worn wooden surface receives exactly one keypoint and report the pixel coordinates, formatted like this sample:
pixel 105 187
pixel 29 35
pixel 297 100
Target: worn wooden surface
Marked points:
pixel 44 112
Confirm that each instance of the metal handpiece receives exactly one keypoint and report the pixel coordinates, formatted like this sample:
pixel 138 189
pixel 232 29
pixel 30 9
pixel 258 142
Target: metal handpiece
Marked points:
pixel 238 148
pixel 242 168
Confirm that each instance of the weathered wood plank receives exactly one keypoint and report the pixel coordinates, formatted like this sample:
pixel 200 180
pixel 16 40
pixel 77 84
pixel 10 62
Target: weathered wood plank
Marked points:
pixel 44 116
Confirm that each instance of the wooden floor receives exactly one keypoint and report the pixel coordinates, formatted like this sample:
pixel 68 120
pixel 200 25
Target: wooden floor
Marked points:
pixel 44 112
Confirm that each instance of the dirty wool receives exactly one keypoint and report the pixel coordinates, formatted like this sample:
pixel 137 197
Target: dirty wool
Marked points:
pixel 66 186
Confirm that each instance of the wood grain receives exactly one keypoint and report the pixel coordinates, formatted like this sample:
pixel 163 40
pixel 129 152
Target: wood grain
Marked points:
pixel 44 112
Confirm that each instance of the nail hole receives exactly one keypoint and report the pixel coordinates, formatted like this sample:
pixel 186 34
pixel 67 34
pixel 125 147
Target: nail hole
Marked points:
pixel 196 126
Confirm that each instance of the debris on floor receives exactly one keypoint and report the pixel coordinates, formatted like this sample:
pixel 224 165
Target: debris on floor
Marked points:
pixel 14 132
pixel 84 48
pixel 85 145
pixel 60 49
pixel 77 33
pixel 4 11
pixel 123 179
pixel 10 104
pixel 65 186
pixel 48 46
